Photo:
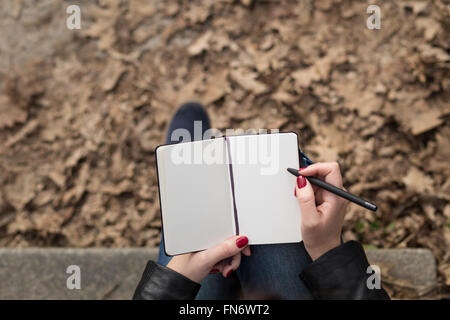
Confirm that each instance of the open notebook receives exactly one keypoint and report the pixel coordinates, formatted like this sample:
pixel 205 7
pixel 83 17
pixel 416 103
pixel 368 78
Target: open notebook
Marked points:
pixel 213 189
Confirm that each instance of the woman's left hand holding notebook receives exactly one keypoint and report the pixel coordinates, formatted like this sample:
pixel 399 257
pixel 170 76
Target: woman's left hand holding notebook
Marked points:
pixel 224 258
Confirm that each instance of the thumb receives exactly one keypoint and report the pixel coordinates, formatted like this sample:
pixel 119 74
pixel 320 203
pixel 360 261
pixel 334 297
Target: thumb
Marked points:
pixel 306 199
pixel 226 249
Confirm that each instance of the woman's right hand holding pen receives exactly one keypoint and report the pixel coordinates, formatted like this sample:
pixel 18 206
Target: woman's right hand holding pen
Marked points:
pixel 322 211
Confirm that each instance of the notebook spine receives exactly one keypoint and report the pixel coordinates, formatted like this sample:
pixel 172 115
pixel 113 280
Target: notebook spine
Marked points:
pixel 230 166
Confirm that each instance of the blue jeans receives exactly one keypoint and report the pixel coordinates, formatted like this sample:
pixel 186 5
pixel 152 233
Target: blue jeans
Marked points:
pixel 272 271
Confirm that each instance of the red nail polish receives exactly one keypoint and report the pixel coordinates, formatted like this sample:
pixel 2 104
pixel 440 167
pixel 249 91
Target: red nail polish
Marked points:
pixel 229 272
pixel 213 271
pixel 295 192
pixel 242 242
pixel 302 168
pixel 301 181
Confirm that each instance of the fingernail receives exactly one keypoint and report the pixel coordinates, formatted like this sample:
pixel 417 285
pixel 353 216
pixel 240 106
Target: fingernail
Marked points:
pixel 303 168
pixel 229 272
pixel 242 242
pixel 295 192
pixel 213 271
pixel 301 181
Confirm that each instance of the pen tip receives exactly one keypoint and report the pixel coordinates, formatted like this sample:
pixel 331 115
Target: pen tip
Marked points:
pixel 293 171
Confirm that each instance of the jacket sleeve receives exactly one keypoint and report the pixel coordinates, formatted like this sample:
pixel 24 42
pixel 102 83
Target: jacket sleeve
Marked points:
pixel 161 283
pixel 341 273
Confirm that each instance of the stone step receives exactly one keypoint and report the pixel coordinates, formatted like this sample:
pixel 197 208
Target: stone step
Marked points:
pixel 41 273
pixel 412 270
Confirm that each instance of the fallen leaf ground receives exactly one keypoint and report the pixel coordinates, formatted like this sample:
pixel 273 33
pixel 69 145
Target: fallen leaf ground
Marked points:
pixel 82 110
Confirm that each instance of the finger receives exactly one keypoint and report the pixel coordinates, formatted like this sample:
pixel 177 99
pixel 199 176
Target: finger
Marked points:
pixel 315 188
pixel 226 249
pixel 328 171
pixel 221 264
pixel 306 200
pixel 247 251
pixel 233 265
pixel 318 194
pixel 216 269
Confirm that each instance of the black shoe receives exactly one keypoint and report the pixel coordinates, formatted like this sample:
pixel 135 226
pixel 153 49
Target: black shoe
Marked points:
pixel 184 119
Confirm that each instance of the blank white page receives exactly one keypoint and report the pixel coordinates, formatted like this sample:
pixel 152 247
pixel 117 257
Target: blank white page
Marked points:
pixel 196 202
pixel 267 210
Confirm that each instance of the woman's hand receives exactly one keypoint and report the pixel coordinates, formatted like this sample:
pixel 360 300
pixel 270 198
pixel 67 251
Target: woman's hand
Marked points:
pixel 224 257
pixel 322 211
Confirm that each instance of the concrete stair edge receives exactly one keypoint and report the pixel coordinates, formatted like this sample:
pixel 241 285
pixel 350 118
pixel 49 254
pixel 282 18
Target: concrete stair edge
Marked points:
pixel 113 273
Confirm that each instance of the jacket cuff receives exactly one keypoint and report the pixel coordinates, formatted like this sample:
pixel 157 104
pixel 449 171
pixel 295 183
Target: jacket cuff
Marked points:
pixel 161 283
pixel 341 273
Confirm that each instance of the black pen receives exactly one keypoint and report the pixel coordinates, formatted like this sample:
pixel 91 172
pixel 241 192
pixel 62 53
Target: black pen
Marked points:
pixel 336 191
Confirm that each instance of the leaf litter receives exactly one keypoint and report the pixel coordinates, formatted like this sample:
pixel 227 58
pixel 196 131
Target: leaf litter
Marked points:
pixel 78 127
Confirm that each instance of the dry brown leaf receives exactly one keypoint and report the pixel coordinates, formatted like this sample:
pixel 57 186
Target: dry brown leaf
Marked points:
pixel 21 223
pixel 429 26
pixel 103 26
pixel 324 150
pixel 247 80
pixel 417 181
pixel 283 96
pixel 138 10
pixel 76 192
pixel 439 161
pixel 365 103
pixel 10 113
pixel 216 87
pixel 22 191
pixel 305 77
pixel 200 44
pixel 247 3
pixel 49 221
pixel 116 189
pixel 43 198
pixel 111 75
pixel 443 192
pixel 57 176
pixel 416 6
pixel 75 157
pixel 171 8
pixel 324 5
pixel 445 270
pixel 433 54
pixel 418 117
pixel 320 70
pixel 197 13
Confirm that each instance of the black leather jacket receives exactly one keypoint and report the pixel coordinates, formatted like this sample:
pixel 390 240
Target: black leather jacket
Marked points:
pixel 341 273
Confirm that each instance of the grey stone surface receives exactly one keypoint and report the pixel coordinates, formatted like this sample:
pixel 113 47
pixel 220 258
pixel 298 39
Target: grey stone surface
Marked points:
pixel 411 269
pixel 40 273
